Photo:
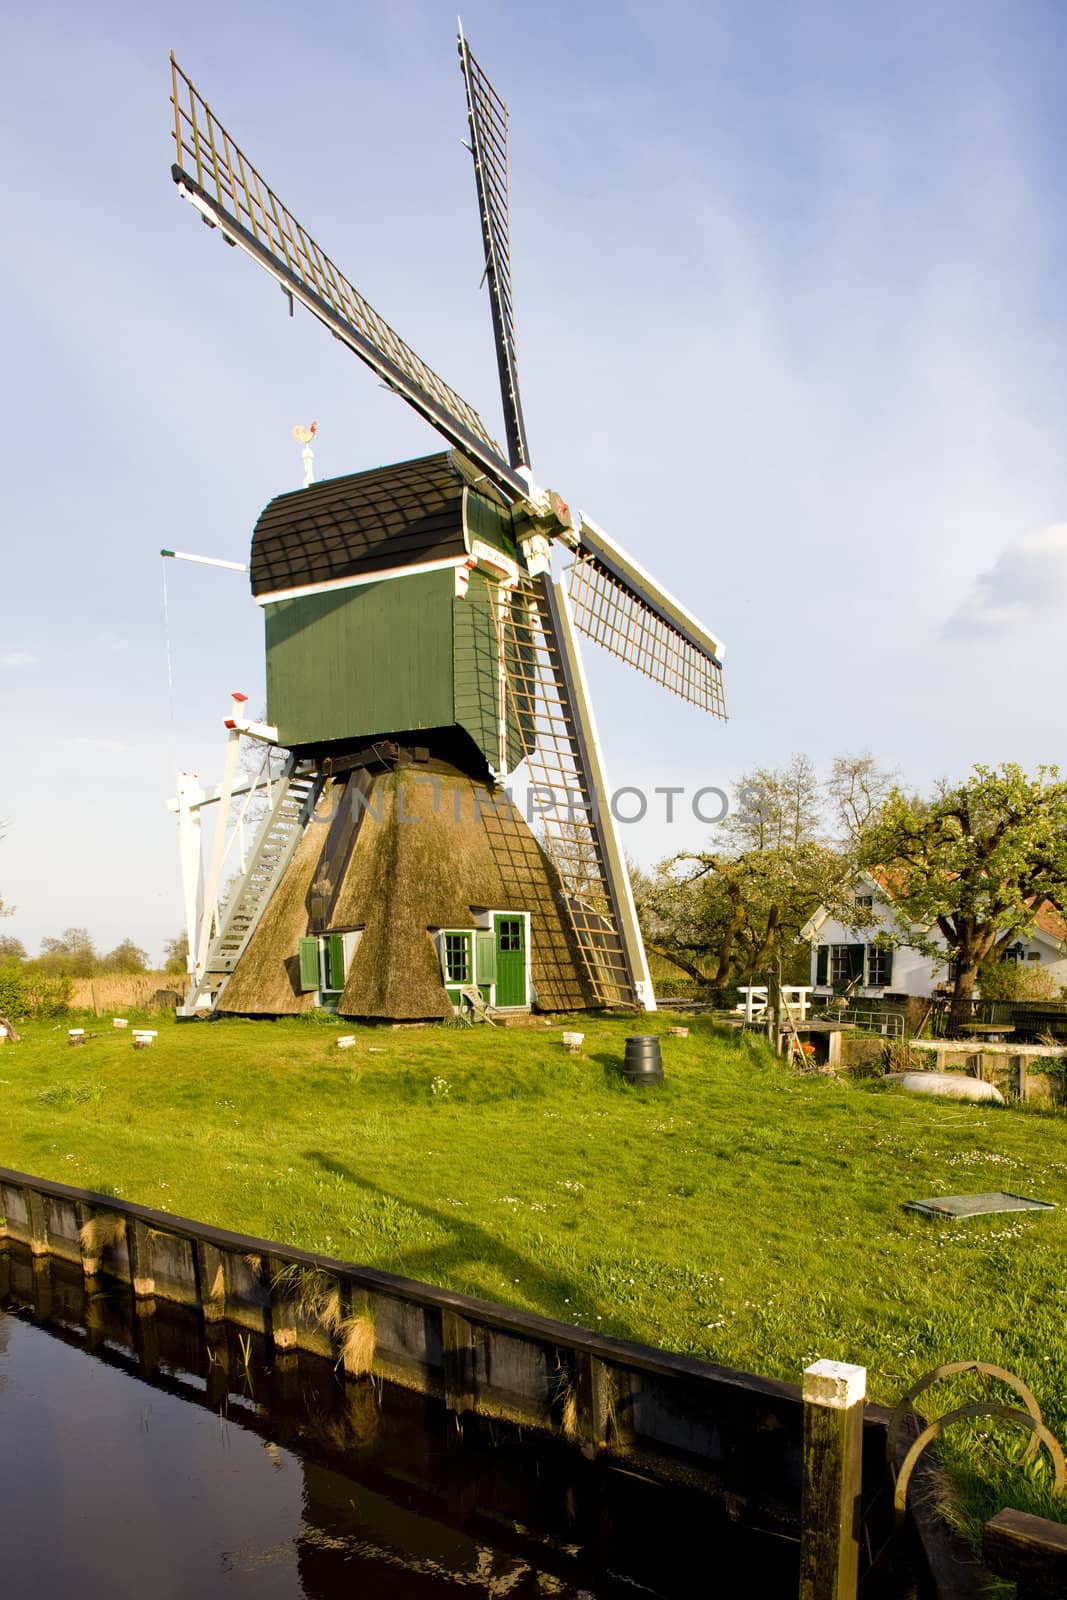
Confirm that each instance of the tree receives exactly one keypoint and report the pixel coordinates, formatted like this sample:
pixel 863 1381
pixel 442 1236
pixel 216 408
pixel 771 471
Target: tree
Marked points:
pixel 726 913
pixel 858 789
pixel 728 917
pixel 11 949
pixel 977 862
pixel 126 958
pixel 1016 980
pixel 776 808
pixel 176 953
pixel 72 954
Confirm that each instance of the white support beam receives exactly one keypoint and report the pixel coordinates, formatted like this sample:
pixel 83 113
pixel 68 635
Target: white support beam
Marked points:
pixel 190 848
pixel 195 798
pixel 211 890
pixel 206 561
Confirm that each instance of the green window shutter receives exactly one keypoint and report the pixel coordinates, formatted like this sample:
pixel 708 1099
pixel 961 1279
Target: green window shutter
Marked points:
pixel 335 961
pixel 822 963
pixel 485 950
pixel 856 958
pixel 309 965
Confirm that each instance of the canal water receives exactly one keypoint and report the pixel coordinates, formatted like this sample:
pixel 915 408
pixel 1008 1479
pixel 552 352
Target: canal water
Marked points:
pixel 144 1453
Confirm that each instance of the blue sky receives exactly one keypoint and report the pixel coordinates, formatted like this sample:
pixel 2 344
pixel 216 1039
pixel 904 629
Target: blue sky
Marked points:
pixel 789 291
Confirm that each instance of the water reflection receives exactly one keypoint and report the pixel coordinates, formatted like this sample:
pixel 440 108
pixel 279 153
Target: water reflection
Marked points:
pixel 146 1452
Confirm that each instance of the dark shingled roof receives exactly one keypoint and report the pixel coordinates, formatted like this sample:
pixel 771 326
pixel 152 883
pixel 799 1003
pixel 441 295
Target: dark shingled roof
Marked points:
pixel 346 527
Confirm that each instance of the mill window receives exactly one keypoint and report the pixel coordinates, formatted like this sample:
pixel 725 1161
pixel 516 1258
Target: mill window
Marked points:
pixel 457 957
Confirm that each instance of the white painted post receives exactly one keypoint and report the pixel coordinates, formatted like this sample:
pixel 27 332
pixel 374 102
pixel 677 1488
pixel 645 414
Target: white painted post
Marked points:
pixel 834 1394
pixel 190 799
pixel 754 1005
pixel 211 896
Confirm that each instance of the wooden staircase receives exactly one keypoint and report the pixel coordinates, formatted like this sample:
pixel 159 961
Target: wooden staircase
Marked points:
pixel 280 832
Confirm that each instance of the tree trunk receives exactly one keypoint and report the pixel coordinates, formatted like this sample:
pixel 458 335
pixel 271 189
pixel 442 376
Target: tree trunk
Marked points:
pixel 961 1005
pixel 973 948
pixel 769 942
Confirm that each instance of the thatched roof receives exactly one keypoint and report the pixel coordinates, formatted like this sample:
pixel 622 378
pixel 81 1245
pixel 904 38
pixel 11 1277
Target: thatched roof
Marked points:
pixel 432 847
pixel 408 876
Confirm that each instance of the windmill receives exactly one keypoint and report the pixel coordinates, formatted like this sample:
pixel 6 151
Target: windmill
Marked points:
pixel 420 648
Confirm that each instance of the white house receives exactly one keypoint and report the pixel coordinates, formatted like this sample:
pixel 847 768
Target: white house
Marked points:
pixel 851 957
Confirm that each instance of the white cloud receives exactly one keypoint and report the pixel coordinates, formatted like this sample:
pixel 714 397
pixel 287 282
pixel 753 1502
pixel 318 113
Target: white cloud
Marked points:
pixel 84 743
pixel 18 658
pixel 1026 584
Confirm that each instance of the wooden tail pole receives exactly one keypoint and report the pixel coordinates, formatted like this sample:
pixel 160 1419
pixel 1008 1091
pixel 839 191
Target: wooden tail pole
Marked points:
pixel 834 1395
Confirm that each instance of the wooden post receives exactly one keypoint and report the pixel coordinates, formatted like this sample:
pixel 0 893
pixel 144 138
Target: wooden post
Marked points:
pixel 593 1395
pixel 457 1346
pixel 211 1281
pixel 1022 1076
pixel 283 1305
pixel 1028 1550
pixel 834 1394
pixel 38 1221
pixel 774 995
pixel 140 1251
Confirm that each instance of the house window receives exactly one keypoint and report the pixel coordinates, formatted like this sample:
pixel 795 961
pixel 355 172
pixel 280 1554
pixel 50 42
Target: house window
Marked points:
pixel 839 965
pixel 1033 955
pixel 510 933
pixel 457 958
pixel 865 902
pixel 877 966
pixel 840 971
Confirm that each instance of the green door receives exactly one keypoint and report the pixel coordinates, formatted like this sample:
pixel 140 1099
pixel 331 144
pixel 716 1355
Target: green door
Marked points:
pixel 510 960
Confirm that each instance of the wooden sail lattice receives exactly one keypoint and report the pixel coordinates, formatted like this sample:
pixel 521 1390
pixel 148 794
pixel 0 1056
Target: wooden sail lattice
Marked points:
pixel 206 154
pixel 613 617
pixel 488 116
pixel 562 805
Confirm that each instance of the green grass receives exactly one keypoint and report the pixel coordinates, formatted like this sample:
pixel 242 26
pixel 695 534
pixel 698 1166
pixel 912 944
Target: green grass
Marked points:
pixel 737 1213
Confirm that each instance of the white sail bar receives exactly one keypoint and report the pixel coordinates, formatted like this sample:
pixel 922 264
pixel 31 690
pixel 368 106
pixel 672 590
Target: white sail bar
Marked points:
pixel 619 605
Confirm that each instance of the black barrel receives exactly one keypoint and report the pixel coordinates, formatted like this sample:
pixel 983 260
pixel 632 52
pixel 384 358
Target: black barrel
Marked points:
pixel 643 1061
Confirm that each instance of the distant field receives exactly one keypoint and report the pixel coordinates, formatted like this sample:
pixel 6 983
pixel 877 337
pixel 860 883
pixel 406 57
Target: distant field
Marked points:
pixel 737 1213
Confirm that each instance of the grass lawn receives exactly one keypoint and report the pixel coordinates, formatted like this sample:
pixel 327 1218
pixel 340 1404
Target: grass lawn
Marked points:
pixel 738 1213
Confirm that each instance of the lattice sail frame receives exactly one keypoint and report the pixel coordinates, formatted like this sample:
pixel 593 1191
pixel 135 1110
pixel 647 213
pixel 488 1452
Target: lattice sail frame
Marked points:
pixel 206 154
pixel 616 619
pixel 488 118
pixel 537 694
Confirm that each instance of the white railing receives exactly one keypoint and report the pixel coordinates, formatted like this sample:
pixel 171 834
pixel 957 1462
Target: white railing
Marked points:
pixel 753 1007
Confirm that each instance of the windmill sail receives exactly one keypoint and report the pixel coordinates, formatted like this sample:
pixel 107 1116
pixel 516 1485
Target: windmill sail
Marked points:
pixel 228 191
pixel 547 699
pixel 622 607
pixel 488 117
